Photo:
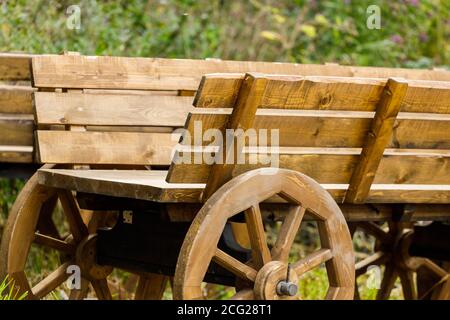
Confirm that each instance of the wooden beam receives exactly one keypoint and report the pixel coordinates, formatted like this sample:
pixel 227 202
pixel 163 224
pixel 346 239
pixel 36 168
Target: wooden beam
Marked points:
pixel 242 117
pixel 377 139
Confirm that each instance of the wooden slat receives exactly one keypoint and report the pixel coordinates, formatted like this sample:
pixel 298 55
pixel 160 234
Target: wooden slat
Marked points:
pixel 330 165
pixel 114 110
pixel 16 129
pixel 179 74
pixel 242 117
pixel 150 185
pixel 105 147
pixel 303 128
pixel 15 66
pixel 16 154
pixel 324 93
pixel 378 137
pixel 16 99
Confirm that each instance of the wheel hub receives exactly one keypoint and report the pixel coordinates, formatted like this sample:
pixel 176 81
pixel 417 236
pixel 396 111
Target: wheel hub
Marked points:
pixel 85 258
pixel 272 284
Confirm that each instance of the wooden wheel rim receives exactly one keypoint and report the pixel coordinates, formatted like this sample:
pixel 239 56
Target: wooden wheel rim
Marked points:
pixel 200 244
pixel 20 234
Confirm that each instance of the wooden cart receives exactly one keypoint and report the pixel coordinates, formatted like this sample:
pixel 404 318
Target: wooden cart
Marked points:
pixel 357 150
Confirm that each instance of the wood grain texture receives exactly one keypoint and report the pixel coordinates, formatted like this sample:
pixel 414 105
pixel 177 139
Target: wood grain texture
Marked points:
pixel 323 93
pixel 111 109
pixel 151 185
pixel 15 66
pixel 104 147
pixel 242 118
pixel 181 74
pixel 16 99
pixel 16 129
pixel 327 165
pixel 376 141
pixel 331 128
pixel 16 154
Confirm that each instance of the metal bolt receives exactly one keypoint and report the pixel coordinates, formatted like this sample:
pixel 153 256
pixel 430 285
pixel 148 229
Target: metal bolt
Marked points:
pixel 287 288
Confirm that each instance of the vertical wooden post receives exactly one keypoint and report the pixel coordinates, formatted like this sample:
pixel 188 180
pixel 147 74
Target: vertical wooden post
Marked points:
pixel 376 141
pixel 242 117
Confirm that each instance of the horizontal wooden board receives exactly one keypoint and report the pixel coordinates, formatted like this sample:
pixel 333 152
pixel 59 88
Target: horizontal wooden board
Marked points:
pixel 323 93
pixel 16 129
pixel 180 74
pixel 326 165
pixel 15 66
pixel 16 154
pixel 114 110
pixel 150 185
pixel 300 128
pixel 16 99
pixel 105 147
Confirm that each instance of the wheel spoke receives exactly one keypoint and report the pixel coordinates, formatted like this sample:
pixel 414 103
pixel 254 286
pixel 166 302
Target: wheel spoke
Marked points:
pixel 377 258
pixel 80 294
pixel 408 285
pixel 287 233
pixel 260 250
pixel 312 261
pixel 21 285
pixel 53 243
pixel 76 224
pixel 52 281
pixel 388 282
pixel 151 287
pixel 245 294
pixel 101 289
pixel 376 231
pixel 238 268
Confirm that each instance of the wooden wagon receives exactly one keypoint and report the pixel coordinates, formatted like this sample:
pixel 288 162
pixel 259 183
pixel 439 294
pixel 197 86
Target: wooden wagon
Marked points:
pixel 354 147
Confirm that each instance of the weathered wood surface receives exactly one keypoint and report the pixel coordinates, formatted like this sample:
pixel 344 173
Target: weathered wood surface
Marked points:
pixel 323 93
pixel 19 154
pixel 111 109
pixel 181 74
pixel 378 137
pixel 332 128
pixel 16 129
pixel 71 147
pixel 16 99
pixel 151 185
pixel 327 165
pixel 15 66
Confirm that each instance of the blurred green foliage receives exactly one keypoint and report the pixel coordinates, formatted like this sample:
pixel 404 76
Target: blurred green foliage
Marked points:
pixel 414 33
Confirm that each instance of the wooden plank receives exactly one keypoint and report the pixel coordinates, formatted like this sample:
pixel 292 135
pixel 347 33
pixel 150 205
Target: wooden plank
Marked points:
pixel 151 185
pixel 16 129
pixel 242 117
pixel 331 128
pixel 15 66
pixel 114 110
pixel 378 137
pixel 16 99
pixel 179 74
pixel 105 147
pixel 328 165
pixel 324 93
pixel 16 154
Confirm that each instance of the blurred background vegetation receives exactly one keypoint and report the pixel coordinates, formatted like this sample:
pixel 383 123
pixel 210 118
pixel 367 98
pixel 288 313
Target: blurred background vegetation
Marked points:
pixel 414 33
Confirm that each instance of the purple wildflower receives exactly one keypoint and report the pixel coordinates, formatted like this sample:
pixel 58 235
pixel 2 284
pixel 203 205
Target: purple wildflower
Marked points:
pixel 423 37
pixel 397 39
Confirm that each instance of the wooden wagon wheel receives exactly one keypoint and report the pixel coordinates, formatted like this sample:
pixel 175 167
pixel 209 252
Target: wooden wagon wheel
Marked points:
pixel 263 276
pixel 30 222
pixel 391 251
